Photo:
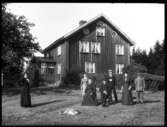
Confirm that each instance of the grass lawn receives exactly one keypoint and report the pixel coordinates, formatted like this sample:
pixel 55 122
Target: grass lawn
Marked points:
pixel 47 104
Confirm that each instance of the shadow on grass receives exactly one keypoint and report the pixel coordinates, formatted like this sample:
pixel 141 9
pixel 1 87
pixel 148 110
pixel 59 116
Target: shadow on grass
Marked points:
pixel 147 101
pixel 151 101
pixel 45 103
pixel 38 91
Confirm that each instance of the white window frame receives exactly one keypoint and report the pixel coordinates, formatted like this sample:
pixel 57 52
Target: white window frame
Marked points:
pixel 119 68
pixel 90 67
pixel 84 46
pixel 100 31
pixel 96 47
pixel 43 68
pixel 59 68
pixel 119 49
pixel 59 50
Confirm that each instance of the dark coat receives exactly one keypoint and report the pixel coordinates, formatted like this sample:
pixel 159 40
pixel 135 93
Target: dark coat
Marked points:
pixel 89 99
pixel 111 82
pixel 127 98
pixel 25 93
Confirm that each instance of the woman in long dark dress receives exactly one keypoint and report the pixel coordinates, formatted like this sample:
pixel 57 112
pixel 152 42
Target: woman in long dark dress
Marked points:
pixel 126 91
pixel 25 91
pixel 89 97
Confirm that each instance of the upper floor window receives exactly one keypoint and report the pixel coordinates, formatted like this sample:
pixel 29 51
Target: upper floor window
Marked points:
pixel 90 67
pixel 119 68
pixel 59 50
pixel 119 49
pixel 58 68
pixel 96 47
pixel 84 46
pixel 90 47
pixel 100 31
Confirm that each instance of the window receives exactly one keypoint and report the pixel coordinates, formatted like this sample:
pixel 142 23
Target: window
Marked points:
pixel 43 68
pixel 58 68
pixel 100 31
pixel 47 55
pixel 119 49
pixel 119 68
pixel 113 34
pixel 90 67
pixel 51 68
pixel 95 47
pixel 59 50
pixel 84 46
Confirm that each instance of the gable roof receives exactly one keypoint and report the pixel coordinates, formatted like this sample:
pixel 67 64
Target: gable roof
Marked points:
pixel 131 42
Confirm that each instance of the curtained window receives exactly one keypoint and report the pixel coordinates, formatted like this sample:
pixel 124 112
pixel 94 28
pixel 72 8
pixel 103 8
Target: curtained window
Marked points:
pixel 43 68
pixel 90 67
pixel 119 49
pixel 119 68
pixel 100 31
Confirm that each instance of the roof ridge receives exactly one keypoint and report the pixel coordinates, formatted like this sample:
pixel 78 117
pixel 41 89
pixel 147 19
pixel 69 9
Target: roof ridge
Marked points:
pixel 88 22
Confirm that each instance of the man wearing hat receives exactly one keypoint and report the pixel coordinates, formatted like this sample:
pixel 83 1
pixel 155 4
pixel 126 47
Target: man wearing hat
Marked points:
pixel 111 83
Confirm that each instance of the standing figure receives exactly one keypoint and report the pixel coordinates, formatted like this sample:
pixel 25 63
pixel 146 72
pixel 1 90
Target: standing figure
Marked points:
pixel 126 91
pixel 111 83
pixel 83 85
pixel 139 87
pixel 88 98
pixel 103 91
pixel 25 92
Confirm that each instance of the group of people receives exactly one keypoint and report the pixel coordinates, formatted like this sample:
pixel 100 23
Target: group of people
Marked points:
pixel 108 88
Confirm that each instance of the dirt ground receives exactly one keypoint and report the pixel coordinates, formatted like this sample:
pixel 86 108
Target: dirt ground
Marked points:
pixel 46 106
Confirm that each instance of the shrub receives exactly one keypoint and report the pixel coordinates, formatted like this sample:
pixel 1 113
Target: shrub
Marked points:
pixel 72 78
pixel 134 68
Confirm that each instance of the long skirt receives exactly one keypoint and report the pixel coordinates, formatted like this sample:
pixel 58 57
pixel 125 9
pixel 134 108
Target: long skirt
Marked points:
pixel 127 97
pixel 25 95
pixel 89 100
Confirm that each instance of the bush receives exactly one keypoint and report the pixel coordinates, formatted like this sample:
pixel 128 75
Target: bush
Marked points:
pixel 134 68
pixel 11 77
pixel 72 78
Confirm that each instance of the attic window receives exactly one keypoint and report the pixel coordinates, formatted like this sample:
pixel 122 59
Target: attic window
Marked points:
pixel 100 31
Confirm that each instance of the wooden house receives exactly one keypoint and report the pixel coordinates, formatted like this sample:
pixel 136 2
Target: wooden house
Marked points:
pixel 94 46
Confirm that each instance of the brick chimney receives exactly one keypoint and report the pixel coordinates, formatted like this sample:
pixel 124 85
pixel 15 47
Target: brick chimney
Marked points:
pixel 81 22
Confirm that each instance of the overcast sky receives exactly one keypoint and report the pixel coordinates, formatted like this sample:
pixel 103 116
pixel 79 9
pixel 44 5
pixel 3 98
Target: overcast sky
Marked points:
pixel 143 23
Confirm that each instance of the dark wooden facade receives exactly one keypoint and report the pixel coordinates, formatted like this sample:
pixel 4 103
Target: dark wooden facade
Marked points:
pixel 71 57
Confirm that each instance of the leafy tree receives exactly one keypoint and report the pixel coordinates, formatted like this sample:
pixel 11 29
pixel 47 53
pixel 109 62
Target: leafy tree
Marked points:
pixel 17 42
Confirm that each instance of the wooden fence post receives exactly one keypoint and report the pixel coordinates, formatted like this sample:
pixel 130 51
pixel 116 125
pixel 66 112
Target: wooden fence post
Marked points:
pixel 2 79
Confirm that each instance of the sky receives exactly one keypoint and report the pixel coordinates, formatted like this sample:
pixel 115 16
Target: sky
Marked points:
pixel 143 23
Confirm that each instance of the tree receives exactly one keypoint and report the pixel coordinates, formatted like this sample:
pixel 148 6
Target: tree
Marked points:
pixel 17 42
pixel 154 61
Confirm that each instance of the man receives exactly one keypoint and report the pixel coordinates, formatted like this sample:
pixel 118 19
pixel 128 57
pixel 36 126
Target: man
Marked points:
pixel 111 83
pixel 139 87
pixel 103 91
